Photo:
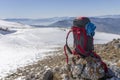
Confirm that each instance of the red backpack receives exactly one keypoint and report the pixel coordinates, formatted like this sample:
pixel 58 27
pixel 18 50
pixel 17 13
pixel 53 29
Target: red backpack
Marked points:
pixel 83 43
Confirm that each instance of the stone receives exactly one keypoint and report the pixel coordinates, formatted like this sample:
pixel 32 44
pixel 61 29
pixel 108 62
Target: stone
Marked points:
pixel 48 75
pixel 117 46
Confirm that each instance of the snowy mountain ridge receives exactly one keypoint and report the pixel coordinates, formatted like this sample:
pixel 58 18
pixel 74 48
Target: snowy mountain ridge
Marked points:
pixel 7 24
pixel 41 21
pixel 107 23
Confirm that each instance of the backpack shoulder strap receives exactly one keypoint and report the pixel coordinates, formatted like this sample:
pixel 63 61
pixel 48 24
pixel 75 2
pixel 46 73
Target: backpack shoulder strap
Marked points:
pixel 66 46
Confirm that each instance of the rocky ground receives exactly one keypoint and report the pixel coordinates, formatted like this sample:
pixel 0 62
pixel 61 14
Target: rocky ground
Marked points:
pixel 109 52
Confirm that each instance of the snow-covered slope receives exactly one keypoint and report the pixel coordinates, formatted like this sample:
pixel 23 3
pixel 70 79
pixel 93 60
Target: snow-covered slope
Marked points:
pixel 101 37
pixel 28 45
pixel 7 24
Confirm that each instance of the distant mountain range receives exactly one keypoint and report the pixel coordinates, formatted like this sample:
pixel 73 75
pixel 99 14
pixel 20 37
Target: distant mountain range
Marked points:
pixel 109 16
pixel 43 21
pixel 107 23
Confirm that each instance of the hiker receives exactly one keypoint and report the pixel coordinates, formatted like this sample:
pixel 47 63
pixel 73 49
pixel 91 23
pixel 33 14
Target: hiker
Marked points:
pixel 83 31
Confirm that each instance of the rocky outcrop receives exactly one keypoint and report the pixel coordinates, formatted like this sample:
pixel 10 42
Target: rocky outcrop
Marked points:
pixel 86 69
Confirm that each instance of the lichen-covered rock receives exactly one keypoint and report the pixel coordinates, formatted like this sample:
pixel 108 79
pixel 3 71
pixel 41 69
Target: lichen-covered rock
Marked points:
pixel 88 68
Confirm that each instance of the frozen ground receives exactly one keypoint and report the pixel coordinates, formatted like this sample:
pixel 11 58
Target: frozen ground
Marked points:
pixel 28 44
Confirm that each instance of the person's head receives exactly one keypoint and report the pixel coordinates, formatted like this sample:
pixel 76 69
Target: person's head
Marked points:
pixel 81 21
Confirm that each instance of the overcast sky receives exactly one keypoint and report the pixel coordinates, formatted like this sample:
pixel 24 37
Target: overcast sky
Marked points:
pixel 57 8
